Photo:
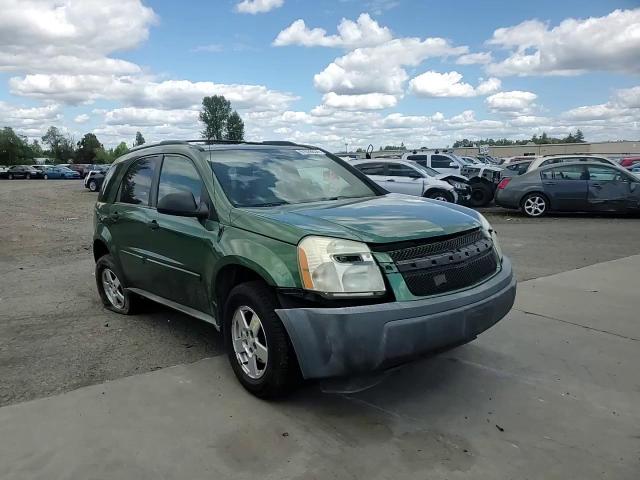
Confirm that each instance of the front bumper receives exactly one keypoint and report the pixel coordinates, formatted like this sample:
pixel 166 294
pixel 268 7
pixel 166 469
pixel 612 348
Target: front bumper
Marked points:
pixel 334 342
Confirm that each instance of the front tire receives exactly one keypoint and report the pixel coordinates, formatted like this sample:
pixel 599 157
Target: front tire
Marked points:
pixel 534 205
pixel 111 288
pixel 257 343
pixel 93 186
pixel 10 176
pixel 28 177
pixel 481 195
pixel 46 177
pixel 439 195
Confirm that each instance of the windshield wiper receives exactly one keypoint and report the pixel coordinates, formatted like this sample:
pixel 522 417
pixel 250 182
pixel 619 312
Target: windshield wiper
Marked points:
pixel 270 204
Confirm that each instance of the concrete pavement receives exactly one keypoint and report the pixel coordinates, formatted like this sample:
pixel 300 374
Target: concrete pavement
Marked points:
pixel 553 391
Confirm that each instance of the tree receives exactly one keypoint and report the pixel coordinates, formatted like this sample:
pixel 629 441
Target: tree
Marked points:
pixel 104 156
pixel 36 149
pixel 14 148
pixel 215 113
pixel 235 127
pixel 60 145
pixel 139 140
pixel 120 150
pixel 579 136
pixel 87 148
pixel 53 138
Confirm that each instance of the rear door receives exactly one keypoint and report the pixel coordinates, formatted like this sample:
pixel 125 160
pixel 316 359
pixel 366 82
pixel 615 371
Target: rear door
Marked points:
pixel 403 179
pixel 609 189
pixel 183 250
pixel 566 186
pixel 131 220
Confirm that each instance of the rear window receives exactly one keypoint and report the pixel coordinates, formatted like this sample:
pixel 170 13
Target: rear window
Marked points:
pixel 136 183
pixel 268 177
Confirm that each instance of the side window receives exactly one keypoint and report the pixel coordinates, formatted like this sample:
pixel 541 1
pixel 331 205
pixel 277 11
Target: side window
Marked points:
pixel 136 183
pixel 371 168
pixel 400 170
pixel 417 158
pixel 604 174
pixel 570 172
pixel 180 175
pixel 442 161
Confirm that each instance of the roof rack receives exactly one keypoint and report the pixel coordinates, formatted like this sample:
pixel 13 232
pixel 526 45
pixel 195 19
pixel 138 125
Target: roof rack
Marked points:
pixel 204 141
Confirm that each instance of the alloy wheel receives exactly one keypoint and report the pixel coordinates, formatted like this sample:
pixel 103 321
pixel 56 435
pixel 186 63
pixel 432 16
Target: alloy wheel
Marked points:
pixel 535 206
pixel 113 288
pixel 249 342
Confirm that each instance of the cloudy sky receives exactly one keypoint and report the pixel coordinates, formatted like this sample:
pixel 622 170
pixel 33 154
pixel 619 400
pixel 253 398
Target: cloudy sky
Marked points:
pixel 422 72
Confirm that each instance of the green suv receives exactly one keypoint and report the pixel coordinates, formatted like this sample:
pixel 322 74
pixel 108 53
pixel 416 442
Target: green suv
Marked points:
pixel 307 267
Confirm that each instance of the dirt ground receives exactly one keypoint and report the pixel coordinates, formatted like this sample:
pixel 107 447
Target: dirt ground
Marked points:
pixel 55 336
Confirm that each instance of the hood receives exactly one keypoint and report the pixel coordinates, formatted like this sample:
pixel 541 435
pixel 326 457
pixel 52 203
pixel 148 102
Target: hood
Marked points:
pixel 383 219
pixel 452 176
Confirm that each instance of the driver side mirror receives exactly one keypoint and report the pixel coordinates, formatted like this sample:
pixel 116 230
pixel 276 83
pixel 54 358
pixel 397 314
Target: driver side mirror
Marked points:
pixel 182 204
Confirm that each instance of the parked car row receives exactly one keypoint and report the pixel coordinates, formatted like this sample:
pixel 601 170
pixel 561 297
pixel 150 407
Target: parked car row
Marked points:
pixel 576 186
pixel 535 186
pixel 44 172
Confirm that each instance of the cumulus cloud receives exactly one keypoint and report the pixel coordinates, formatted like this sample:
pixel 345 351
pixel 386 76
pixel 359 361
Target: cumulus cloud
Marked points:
pixel 624 105
pixel 369 101
pixel 82 118
pixel 609 43
pixel 145 92
pixel 364 32
pixel 258 6
pixel 514 102
pixel 71 36
pixel 30 121
pixel 435 84
pixel 481 58
pixel 380 69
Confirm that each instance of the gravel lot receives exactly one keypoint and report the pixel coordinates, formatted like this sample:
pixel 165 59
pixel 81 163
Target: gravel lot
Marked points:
pixel 55 336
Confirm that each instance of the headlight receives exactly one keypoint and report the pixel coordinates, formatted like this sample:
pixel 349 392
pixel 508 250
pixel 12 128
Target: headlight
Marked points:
pixel 459 186
pixel 486 226
pixel 338 268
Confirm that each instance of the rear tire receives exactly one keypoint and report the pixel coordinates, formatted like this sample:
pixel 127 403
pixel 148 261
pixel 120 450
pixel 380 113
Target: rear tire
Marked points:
pixel 534 205
pixel 441 195
pixel 111 288
pixel 28 176
pixel 257 343
pixel 10 176
pixel 481 195
pixel 93 186
pixel 46 177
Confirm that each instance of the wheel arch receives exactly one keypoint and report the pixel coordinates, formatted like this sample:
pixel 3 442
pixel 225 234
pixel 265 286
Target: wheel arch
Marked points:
pixel 232 274
pixel 100 249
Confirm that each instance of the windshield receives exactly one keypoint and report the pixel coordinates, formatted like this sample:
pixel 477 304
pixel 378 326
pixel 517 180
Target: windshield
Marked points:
pixel 269 177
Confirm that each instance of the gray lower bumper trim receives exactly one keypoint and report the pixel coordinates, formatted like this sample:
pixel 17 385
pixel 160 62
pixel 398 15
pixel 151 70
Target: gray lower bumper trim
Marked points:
pixel 331 342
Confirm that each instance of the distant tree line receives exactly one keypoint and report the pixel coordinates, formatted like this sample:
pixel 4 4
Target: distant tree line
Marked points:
pixel 58 147
pixel 544 139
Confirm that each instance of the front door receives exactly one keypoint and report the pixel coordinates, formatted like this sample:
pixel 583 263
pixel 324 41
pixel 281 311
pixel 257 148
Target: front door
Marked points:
pixel 402 178
pixel 185 248
pixel 566 186
pixel 609 189
pixel 131 220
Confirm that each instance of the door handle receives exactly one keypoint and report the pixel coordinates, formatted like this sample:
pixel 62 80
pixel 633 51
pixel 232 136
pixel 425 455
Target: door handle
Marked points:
pixel 549 183
pixel 391 180
pixel 153 225
pixel 596 185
